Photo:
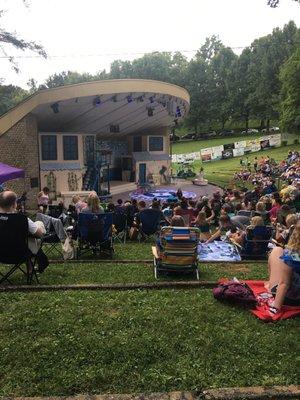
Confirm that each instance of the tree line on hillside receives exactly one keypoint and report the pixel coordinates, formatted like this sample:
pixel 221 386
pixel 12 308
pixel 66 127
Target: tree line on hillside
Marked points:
pixel 261 83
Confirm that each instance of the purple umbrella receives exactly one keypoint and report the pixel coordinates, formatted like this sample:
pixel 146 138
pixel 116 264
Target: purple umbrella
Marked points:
pixel 7 173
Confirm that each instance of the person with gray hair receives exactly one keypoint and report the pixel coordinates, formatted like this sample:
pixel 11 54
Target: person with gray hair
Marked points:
pixel 8 205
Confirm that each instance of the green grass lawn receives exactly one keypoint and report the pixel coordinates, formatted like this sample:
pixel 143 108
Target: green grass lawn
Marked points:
pixel 66 343
pixel 221 172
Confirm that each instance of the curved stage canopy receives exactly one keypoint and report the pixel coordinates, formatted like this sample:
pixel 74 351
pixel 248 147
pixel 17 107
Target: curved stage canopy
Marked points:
pixel 107 107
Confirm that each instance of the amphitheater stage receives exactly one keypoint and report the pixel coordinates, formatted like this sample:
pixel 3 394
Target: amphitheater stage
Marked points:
pixel 186 186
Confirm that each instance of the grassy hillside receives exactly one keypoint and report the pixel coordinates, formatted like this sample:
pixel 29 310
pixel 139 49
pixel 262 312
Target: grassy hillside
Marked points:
pixel 221 172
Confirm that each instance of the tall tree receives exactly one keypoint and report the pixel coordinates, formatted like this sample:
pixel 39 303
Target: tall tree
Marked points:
pixel 267 56
pixel 290 93
pixel 9 96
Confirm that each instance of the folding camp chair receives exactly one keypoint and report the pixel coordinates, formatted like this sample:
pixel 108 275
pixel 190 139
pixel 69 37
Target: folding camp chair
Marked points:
pixel 120 227
pixel 95 233
pixel 176 251
pixel 51 243
pixel 14 249
pixel 256 242
pixel 55 211
pixel 149 220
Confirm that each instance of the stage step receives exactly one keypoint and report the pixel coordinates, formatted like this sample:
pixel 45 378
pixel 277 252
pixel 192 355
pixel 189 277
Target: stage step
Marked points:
pixel 126 187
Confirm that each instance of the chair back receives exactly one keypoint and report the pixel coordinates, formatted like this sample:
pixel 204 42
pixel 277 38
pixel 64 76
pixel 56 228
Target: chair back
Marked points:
pixel 257 240
pixel 95 228
pixel 120 221
pixel 55 211
pixel 245 213
pixel 13 238
pixel 179 245
pixel 150 219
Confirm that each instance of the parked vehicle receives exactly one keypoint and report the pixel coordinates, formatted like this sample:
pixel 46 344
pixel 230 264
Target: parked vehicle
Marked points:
pixel 188 136
pixel 226 133
pixel 249 131
pixel 272 129
pixel 209 134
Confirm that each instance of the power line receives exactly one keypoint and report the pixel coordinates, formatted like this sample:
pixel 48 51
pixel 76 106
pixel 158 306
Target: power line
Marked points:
pixel 117 54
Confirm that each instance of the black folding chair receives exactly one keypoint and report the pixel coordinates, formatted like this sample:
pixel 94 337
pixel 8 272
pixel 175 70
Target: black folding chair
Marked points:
pixel 120 225
pixel 51 243
pixel 14 249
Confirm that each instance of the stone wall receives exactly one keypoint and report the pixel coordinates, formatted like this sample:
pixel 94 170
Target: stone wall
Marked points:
pixel 19 148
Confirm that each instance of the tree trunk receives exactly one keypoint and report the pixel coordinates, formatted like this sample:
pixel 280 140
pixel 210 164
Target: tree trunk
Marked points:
pixel 268 124
pixel 262 123
pixel 247 122
pixel 223 123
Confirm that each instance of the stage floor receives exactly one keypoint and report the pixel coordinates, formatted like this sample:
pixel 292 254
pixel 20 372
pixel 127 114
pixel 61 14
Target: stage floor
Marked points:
pixel 207 190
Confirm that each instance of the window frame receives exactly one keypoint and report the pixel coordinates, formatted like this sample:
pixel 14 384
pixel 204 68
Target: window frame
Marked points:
pixel 154 136
pixel 141 144
pixel 45 152
pixel 67 152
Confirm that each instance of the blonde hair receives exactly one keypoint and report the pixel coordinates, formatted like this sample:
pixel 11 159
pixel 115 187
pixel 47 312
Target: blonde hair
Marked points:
pixel 93 202
pixel 291 219
pixel 75 198
pixel 257 221
pixel 201 217
pixel 260 206
pixel 294 242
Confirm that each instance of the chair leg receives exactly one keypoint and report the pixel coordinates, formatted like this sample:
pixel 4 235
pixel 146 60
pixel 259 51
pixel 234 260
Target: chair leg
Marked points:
pixel 30 270
pixel 9 273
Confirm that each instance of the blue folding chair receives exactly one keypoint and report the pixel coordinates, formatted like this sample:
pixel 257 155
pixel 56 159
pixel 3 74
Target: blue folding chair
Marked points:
pixel 256 242
pixel 95 234
pixel 149 223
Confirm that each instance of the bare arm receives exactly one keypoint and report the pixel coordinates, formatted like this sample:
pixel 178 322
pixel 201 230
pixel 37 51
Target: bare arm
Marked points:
pixel 216 235
pixel 283 286
pixel 211 217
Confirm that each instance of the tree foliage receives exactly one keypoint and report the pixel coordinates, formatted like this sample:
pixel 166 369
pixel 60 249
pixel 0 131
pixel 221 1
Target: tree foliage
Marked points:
pixel 261 83
pixel 11 39
pixel 290 93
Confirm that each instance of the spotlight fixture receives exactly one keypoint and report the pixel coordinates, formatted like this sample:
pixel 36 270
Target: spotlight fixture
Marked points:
pixel 129 98
pixel 178 112
pixel 97 101
pixel 150 112
pixel 55 108
pixel 273 3
pixel 114 129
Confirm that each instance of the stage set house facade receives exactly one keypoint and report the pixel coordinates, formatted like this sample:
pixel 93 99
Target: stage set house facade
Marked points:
pixel 102 135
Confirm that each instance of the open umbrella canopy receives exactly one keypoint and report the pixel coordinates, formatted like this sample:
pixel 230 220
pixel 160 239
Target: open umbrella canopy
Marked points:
pixel 7 173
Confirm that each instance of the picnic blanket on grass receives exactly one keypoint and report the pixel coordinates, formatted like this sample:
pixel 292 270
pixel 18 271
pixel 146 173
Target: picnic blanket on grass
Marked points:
pixel 261 310
pixel 218 251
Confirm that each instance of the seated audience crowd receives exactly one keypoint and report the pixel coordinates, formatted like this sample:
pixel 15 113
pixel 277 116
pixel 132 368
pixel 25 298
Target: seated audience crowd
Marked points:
pixel 234 215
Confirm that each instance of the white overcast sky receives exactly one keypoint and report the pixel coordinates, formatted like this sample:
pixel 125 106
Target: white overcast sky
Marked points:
pixel 125 29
